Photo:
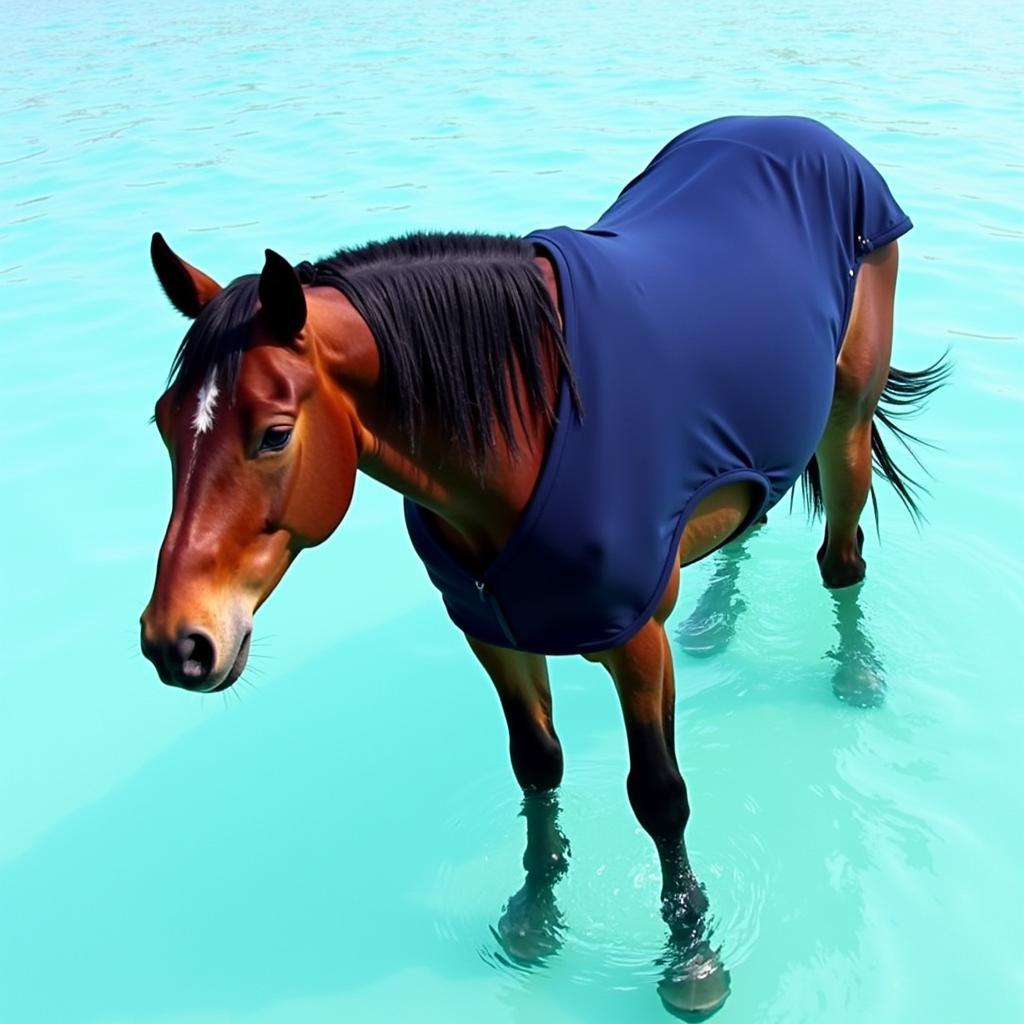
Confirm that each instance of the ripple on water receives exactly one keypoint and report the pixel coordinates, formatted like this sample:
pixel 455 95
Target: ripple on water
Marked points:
pixel 609 899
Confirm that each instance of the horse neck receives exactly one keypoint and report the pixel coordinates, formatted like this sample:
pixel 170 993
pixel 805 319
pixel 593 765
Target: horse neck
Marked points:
pixel 474 514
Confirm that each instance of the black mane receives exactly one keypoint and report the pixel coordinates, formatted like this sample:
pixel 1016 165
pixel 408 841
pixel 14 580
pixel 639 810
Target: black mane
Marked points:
pixel 452 314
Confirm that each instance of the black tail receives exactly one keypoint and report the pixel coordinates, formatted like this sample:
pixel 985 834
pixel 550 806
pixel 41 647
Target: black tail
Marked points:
pixel 905 394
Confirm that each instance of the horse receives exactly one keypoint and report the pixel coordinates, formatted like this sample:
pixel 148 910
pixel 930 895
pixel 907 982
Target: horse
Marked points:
pixel 483 377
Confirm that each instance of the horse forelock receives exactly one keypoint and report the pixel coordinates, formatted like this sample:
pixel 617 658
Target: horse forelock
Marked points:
pixel 211 351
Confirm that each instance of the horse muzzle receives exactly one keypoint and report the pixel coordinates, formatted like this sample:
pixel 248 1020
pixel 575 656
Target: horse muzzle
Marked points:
pixel 189 659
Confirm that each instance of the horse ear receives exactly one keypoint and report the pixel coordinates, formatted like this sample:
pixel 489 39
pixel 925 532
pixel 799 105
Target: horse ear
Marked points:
pixel 187 288
pixel 281 298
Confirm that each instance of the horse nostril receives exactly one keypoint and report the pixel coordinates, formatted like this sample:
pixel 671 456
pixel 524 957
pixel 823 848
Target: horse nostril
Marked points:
pixel 195 657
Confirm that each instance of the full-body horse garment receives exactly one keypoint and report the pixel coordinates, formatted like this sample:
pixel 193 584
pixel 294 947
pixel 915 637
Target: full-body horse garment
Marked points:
pixel 703 315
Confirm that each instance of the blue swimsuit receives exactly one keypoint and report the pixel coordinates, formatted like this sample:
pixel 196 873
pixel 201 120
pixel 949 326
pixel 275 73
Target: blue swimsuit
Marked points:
pixel 703 315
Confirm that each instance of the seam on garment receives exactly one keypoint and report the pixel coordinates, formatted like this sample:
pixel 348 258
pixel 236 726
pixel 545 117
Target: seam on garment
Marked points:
pixel 851 286
pixel 870 244
pixel 873 242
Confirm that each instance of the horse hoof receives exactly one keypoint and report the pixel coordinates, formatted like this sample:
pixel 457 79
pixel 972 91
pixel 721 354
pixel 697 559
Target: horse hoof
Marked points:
pixel 530 929
pixel 859 685
pixel 695 990
pixel 845 574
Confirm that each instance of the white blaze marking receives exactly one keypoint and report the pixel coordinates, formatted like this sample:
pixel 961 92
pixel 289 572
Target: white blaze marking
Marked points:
pixel 202 418
pixel 202 421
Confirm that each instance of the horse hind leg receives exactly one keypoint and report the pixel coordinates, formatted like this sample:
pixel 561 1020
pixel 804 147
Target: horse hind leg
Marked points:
pixel 869 393
pixel 843 457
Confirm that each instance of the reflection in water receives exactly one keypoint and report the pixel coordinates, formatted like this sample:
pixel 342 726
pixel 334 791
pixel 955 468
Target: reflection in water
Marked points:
pixel 531 927
pixel 693 983
pixel 711 625
pixel 859 677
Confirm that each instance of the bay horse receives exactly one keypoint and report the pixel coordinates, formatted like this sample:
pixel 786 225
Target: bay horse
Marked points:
pixel 571 417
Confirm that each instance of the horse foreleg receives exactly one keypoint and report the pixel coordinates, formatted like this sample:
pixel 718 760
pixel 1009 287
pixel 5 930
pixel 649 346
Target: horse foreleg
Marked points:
pixel 695 980
pixel 531 926
pixel 844 451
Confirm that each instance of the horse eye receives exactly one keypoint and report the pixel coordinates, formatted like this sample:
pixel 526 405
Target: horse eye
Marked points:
pixel 274 439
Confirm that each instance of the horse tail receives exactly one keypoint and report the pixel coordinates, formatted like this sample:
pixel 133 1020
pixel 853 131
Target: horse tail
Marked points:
pixel 904 395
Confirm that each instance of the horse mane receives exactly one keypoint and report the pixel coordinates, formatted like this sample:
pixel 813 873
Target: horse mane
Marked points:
pixel 453 315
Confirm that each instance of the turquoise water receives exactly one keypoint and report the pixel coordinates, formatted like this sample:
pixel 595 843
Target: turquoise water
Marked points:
pixel 334 841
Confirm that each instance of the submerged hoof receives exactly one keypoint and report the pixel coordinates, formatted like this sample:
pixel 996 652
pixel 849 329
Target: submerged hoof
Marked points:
pixel 695 988
pixel 859 684
pixel 531 927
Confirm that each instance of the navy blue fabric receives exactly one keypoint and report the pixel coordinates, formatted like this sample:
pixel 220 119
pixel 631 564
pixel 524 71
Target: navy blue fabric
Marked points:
pixel 703 315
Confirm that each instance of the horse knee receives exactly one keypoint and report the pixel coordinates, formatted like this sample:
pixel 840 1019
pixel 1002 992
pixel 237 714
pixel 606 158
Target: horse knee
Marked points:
pixel 660 803
pixel 536 758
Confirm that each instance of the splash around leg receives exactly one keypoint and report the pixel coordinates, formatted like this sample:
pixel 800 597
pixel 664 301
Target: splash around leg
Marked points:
pixel 694 982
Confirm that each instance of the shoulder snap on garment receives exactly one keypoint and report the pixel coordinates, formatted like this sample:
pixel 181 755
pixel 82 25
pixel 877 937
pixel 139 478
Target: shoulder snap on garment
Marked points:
pixel 703 314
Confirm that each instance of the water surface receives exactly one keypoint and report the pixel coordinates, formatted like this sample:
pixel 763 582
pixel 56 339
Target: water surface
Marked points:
pixel 334 841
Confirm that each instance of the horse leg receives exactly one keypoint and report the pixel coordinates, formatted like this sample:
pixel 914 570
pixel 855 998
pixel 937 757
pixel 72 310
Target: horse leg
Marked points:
pixel 695 980
pixel 844 451
pixel 531 925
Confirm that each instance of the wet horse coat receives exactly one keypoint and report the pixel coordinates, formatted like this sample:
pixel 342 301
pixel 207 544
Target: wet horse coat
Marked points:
pixel 703 314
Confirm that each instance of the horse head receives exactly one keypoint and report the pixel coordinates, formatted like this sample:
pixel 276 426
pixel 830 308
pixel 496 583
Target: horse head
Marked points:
pixel 263 454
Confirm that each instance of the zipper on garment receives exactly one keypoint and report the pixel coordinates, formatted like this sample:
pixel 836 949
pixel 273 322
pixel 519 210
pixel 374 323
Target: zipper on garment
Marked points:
pixel 489 599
